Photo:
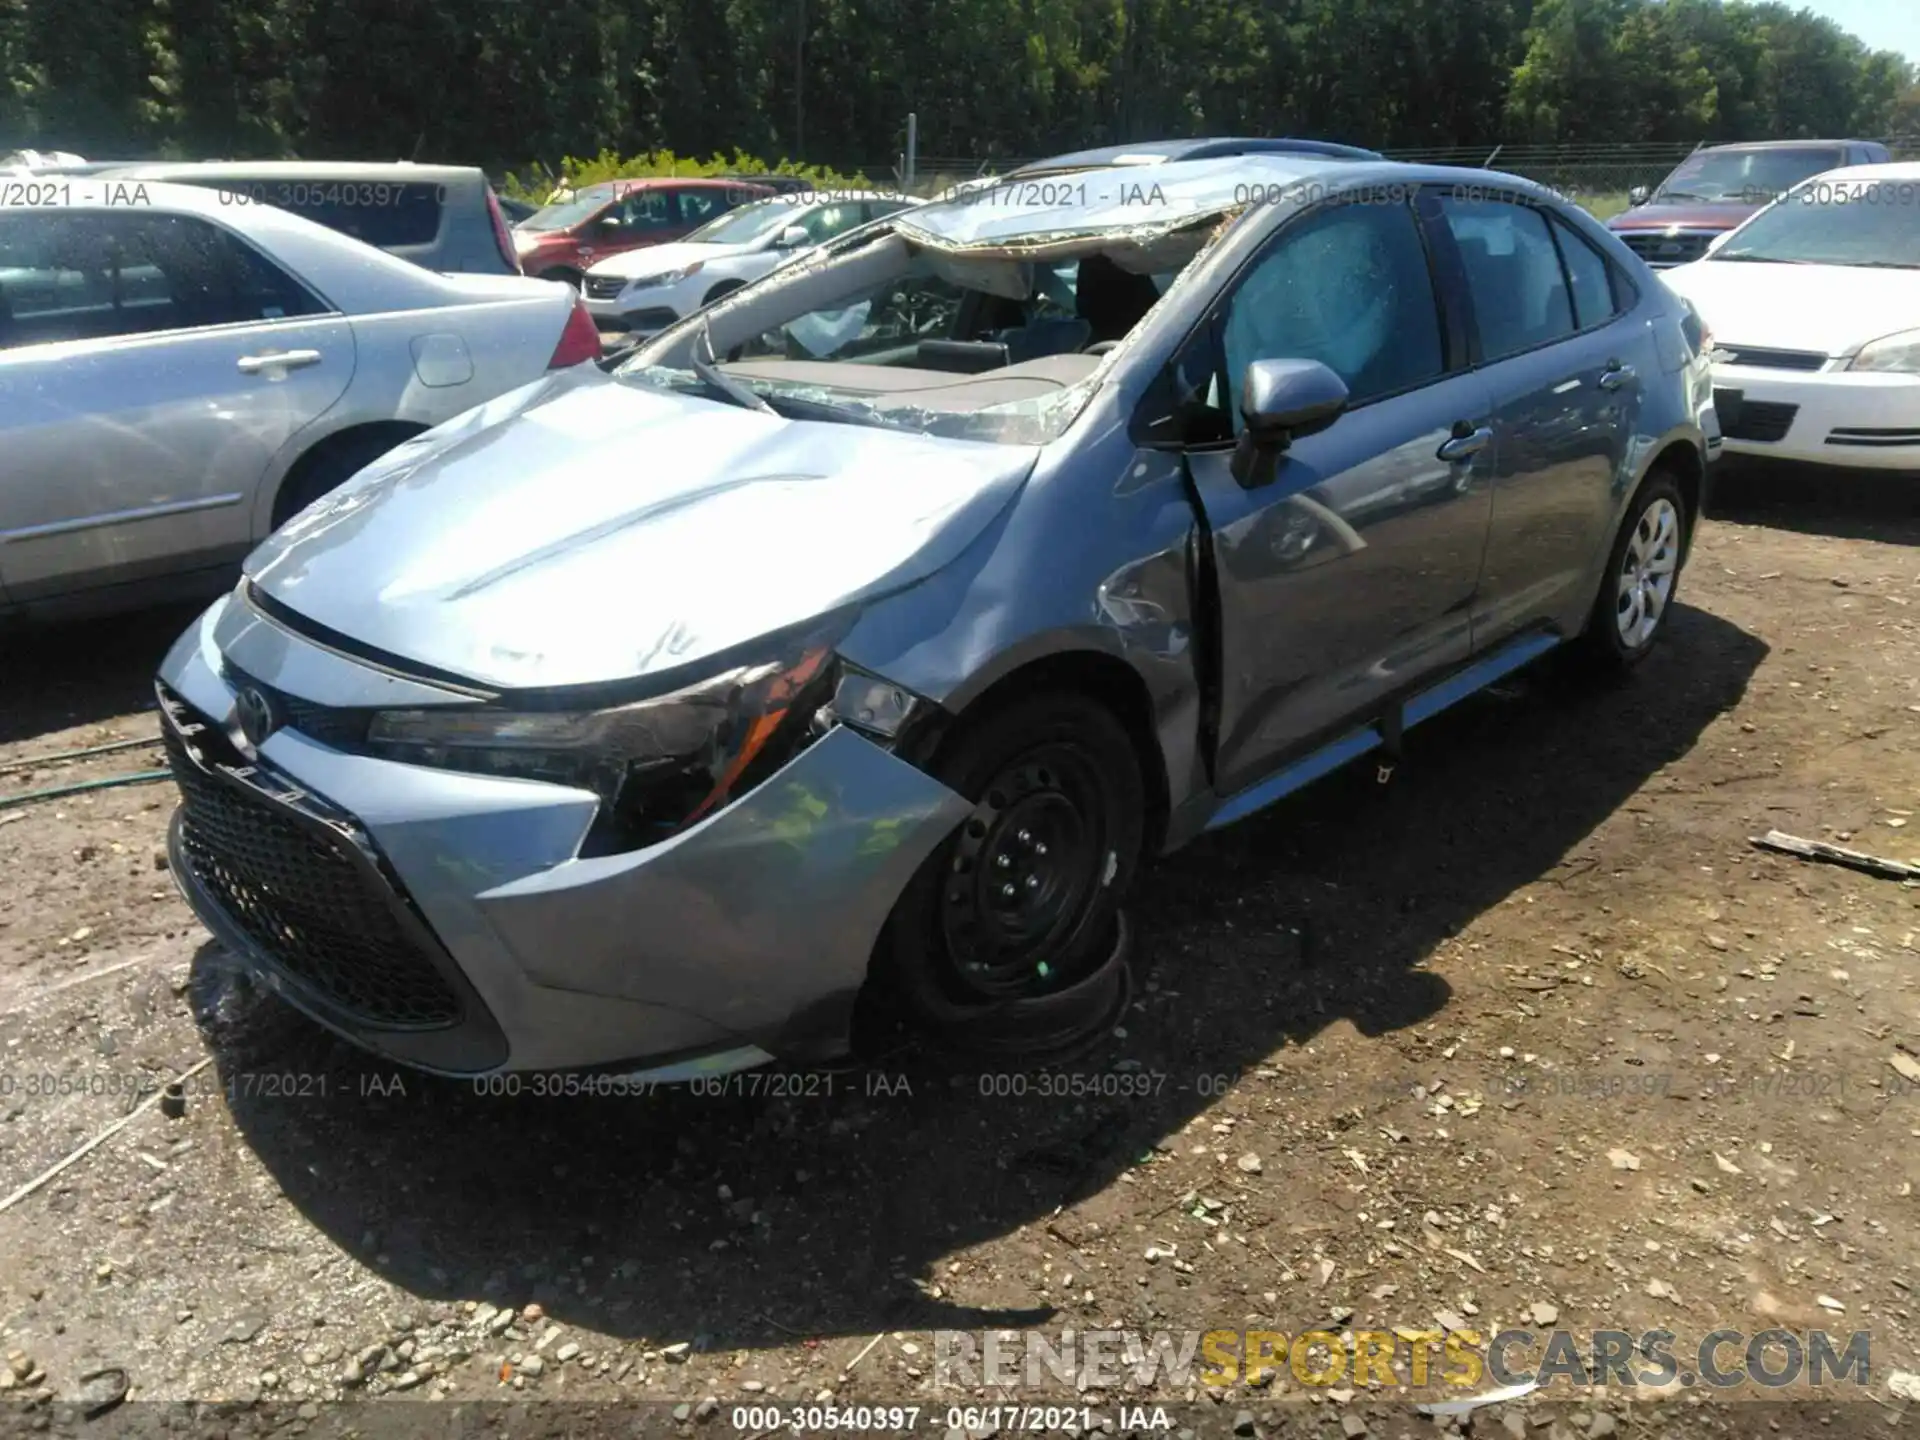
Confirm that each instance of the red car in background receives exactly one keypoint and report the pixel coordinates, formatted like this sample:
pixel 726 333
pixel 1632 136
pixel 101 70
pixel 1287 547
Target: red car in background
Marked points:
pixel 561 241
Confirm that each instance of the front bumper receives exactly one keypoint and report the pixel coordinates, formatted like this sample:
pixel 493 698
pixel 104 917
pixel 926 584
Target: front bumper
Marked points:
pixel 1857 419
pixel 646 311
pixel 443 920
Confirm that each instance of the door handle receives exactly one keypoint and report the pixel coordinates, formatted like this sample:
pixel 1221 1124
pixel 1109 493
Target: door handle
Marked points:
pixel 1464 446
pixel 1616 375
pixel 278 360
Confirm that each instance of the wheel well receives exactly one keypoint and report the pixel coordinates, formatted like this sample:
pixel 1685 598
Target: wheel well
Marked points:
pixel 354 436
pixel 1114 684
pixel 1682 461
pixel 724 287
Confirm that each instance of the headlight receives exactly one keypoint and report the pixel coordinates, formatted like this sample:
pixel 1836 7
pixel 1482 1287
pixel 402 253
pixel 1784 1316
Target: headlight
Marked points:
pixel 666 277
pixel 1899 353
pixel 657 764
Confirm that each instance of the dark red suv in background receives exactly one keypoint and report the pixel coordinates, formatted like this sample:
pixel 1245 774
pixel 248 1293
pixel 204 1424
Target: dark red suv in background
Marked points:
pixel 563 240
pixel 1718 186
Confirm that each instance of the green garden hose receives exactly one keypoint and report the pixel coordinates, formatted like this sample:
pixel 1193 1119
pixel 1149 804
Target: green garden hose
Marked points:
pixel 76 754
pixel 132 777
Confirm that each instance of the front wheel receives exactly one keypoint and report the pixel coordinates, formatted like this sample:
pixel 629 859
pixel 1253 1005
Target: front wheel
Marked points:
pixel 1010 937
pixel 564 275
pixel 1642 576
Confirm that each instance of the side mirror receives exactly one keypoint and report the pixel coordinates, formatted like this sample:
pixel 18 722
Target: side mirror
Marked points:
pixel 609 222
pixel 1281 400
pixel 1637 195
pixel 792 238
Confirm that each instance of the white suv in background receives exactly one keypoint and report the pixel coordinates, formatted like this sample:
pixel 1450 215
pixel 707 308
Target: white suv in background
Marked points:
pixel 644 291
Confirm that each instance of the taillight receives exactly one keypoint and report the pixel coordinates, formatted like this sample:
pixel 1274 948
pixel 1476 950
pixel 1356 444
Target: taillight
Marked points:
pixel 501 235
pixel 579 341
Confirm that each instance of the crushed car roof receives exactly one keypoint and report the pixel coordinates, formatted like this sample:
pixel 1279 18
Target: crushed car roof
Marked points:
pixel 1162 197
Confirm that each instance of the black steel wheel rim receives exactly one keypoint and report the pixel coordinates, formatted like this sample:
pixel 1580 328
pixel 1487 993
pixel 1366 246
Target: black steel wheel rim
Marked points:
pixel 1025 874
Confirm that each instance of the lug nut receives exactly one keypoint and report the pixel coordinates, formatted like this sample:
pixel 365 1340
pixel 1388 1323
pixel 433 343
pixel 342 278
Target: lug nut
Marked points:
pixel 1040 849
pixel 1033 882
pixel 1007 892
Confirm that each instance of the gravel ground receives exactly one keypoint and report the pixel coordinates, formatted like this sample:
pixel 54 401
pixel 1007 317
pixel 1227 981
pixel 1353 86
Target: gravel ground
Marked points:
pixel 1529 1036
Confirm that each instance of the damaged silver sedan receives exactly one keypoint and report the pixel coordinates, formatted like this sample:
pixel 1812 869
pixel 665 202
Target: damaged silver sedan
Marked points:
pixel 858 639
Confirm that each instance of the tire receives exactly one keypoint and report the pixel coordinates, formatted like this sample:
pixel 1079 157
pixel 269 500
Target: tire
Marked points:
pixel 1060 813
pixel 329 468
pixel 564 275
pixel 1642 578
pixel 720 291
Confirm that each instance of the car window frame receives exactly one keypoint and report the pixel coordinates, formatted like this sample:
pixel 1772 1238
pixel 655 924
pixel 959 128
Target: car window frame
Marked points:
pixel 1209 330
pixel 1558 224
pixel 1626 295
pixel 325 308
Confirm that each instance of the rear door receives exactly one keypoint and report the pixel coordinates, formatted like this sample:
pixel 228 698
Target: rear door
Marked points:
pixel 1350 574
pixel 1564 368
pixel 151 365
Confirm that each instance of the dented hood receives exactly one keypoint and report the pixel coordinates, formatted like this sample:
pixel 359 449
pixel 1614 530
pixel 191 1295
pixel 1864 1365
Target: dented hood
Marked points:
pixel 585 529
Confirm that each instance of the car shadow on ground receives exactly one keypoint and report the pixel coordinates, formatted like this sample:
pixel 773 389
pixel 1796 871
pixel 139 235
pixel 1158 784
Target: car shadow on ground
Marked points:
pixel 1819 500
pixel 59 676
pixel 738 1220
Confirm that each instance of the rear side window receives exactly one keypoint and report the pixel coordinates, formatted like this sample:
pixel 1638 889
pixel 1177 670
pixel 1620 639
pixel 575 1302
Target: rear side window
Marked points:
pixel 699 206
pixel 1589 275
pixel 382 213
pixel 93 276
pixel 1518 290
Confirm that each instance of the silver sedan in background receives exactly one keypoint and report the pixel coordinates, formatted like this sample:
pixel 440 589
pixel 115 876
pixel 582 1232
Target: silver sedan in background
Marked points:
pixel 180 372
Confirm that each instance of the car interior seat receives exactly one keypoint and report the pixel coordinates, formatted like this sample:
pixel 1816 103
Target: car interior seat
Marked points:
pixel 1111 300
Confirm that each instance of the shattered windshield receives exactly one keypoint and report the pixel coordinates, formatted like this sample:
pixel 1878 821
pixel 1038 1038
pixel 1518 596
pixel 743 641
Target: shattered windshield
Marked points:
pixel 908 336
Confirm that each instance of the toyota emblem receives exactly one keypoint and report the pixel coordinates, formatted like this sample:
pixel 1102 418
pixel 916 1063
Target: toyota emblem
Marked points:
pixel 255 712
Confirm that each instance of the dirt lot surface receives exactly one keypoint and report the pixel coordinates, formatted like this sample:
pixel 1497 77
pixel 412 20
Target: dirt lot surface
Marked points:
pixel 1529 1037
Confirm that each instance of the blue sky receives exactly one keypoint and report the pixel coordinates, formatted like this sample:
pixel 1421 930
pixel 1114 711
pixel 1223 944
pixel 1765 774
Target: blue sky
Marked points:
pixel 1882 24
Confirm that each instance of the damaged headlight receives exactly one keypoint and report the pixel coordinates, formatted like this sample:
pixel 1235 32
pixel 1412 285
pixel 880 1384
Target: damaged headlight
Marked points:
pixel 658 764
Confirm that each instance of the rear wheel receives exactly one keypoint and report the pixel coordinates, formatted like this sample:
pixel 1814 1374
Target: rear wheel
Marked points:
pixel 327 469
pixel 1642 577
pixel 1010 937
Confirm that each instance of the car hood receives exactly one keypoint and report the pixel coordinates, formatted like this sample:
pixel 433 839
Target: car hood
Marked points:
pixel 1830 309
pixel 1718 215
pixel 585 529
pixel 629 264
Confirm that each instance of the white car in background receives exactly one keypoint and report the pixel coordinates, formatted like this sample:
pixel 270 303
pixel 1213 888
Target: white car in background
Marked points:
pixel 179 375
pixel 644 291
pixel 1814 308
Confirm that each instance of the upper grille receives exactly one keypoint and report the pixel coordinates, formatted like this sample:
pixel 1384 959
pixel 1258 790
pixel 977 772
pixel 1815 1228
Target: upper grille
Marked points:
pixel 1765 359
pixel 1661 250
pixel 341 729
pixel 306 890
pixel 605 287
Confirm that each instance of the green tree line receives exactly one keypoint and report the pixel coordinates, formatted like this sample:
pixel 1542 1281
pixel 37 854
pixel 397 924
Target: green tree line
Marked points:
pixel 504 82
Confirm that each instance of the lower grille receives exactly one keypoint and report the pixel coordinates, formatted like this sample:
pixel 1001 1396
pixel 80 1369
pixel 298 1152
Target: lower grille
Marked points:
pixel 1660 250
pixel 1757 421
pixel 1872 438
pixel 305 894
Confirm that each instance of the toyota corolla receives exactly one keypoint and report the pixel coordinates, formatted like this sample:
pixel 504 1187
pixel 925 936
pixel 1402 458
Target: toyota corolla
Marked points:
pixel 862 636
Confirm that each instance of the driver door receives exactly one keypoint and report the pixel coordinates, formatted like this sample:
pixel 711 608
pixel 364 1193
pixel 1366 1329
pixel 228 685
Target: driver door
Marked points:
pixel 1351 571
